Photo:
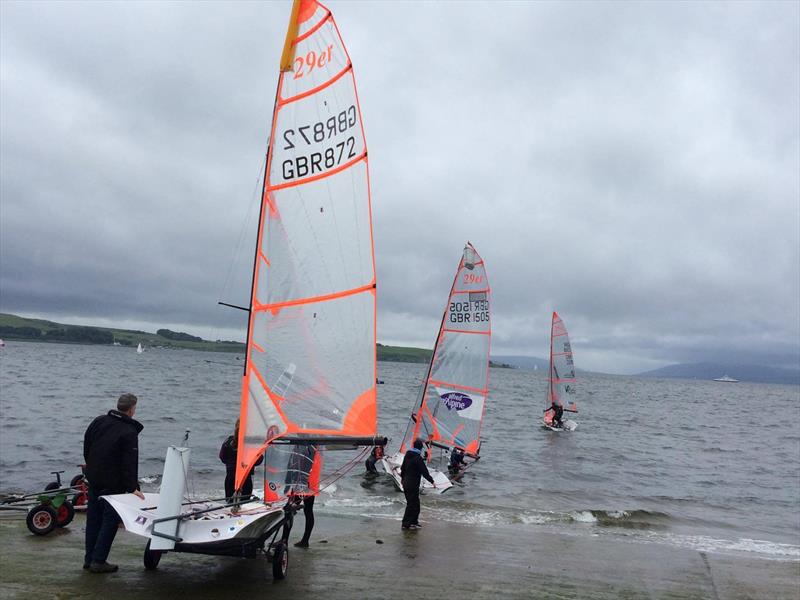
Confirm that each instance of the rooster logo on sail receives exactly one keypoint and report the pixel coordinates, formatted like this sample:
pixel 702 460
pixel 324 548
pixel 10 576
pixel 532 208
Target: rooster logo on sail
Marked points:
pixel 456 401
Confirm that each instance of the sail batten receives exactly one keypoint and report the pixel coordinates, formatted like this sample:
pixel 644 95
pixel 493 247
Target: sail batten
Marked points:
pixel 311 355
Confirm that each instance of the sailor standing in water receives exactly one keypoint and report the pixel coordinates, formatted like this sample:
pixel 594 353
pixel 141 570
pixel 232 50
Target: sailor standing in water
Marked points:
pixel 412 471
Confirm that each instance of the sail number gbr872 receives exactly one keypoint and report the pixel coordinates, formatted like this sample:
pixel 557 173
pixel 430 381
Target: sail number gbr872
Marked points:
pixel 469 311
pixel 338 147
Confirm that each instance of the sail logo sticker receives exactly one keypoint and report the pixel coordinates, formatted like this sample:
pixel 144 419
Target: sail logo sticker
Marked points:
pixel 456 401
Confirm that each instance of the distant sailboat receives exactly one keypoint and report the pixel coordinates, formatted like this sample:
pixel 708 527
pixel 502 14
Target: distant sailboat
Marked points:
pixel 561 379
pixel 2 344
pixel 139 349
pixel 727 379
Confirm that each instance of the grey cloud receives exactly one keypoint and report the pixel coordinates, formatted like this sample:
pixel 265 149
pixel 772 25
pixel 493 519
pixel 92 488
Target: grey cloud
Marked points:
pixel 632 165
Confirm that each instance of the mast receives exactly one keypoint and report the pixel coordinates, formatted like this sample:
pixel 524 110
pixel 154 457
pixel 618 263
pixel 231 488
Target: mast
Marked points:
pixel 550 372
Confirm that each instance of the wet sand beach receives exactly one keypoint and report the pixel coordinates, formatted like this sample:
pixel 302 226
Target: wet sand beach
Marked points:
pixel 444 560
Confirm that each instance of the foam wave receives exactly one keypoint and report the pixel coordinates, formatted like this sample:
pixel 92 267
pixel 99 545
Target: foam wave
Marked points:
pixel 775 550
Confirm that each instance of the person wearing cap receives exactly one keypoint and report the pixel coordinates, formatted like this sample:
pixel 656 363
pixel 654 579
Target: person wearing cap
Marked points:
pixel 412 471
pixel 111 451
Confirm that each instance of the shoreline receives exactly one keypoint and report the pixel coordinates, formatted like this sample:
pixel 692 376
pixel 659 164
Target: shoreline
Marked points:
pixel 359 557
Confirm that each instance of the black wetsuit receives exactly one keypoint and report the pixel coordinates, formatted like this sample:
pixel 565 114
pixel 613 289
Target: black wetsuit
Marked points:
pixel 558 412
pixel 412 471
pixel 456 460
pixel 227 454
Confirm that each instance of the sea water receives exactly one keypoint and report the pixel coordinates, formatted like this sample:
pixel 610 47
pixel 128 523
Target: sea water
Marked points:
pixel 699 464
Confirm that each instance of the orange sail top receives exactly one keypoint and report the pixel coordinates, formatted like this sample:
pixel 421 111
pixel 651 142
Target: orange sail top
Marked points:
pixel 311 362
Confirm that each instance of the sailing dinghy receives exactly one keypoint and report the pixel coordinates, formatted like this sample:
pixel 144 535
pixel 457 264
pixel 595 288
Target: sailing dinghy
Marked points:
pixel 561 380
pixel 310 372
pixel 449 411
pixel 139 348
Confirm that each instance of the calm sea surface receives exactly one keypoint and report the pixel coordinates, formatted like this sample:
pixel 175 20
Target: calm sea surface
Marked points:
pixel 698 464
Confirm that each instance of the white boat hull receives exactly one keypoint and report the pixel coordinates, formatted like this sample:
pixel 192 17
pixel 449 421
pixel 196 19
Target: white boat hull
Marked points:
pixel 569 425
pixel 392 464
pixel 252 520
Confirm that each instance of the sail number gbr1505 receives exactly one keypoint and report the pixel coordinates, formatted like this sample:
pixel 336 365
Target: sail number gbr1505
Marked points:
pixel 337 147
pixel 469 311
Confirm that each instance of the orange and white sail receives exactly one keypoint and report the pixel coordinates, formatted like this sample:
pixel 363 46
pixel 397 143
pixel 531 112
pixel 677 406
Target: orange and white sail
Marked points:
pixel 561 380
pixel 454 394
pixel 311 367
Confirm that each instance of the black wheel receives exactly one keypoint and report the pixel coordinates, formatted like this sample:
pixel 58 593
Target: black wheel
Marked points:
pixel 64 514
pixel 280 561
pixel 76 480
pixel 53 485
pixel 41 519
pixel 151 557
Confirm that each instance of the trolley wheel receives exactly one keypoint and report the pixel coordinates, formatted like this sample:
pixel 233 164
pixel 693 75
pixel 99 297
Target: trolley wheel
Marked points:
pixel 64 514
pixel 41 519
pixel 280 561
pixel 151 557
pixel 80 500
pixel 78 479
pixel 53 485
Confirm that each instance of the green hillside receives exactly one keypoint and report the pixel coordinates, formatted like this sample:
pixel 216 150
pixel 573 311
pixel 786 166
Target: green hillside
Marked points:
pixel 13 327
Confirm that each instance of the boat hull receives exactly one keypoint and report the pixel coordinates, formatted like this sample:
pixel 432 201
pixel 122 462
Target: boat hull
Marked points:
pixel 569 425
pixel 391 464
pixel 218 531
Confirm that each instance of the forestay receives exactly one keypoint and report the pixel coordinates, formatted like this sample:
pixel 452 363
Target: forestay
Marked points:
pixel 561 380
pixel 311 366
pixel 457 385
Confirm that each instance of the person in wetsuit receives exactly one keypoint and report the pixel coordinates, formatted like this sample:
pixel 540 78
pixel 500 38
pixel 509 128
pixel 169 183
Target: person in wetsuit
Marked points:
pixel 227 454
pixel 374 457
pixel 456 463
pixel 302 484
pixel 412 471
pixel 558 413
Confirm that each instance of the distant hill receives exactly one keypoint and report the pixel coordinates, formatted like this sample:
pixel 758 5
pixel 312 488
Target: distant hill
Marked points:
pixel 524 362
pixel 13 327
pixel 421 355
pixel 708 371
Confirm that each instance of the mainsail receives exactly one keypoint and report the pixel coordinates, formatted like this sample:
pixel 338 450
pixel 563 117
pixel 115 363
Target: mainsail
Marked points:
pixel 455 390
pixel 311 361
pixel 561 380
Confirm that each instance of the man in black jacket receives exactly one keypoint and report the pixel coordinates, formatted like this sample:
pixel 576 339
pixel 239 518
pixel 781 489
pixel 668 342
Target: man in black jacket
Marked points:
pixel 412 471
pixel 111 451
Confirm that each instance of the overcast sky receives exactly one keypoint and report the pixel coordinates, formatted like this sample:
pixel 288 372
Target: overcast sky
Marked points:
pixel 634 166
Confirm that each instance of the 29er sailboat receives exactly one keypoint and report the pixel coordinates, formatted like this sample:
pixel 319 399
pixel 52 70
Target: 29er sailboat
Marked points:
pixel 310 373
pixel 561 378
pixel 449 411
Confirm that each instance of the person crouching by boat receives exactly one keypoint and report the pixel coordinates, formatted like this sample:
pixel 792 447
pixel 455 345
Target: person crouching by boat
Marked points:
pixel 412 471
pixel 456 464
pixel 111 451
pixel 374 457
pixel 227 454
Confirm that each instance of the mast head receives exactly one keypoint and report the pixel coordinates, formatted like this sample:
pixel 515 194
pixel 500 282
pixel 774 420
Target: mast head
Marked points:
pixel 470 257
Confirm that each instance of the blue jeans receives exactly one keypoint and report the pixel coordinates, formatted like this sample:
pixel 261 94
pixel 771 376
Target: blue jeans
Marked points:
pixel 101 528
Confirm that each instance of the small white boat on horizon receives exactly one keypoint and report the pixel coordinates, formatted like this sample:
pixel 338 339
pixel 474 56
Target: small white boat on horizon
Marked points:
pixel 139 348
pixel 727 379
